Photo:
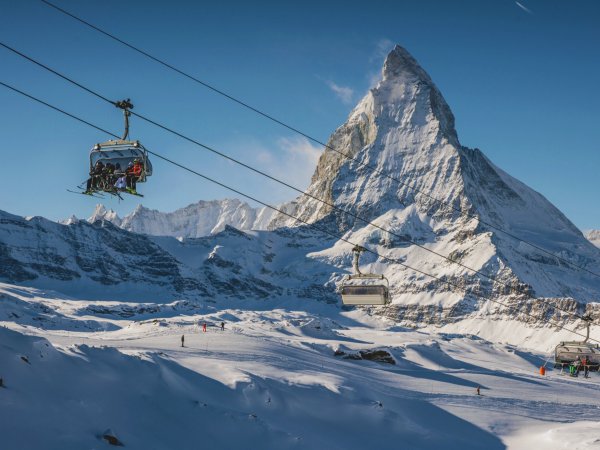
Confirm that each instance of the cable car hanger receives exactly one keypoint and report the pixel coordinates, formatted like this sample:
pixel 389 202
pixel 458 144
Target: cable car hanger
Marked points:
pixel 125 105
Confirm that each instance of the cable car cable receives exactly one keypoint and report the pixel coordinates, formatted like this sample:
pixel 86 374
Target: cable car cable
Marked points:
pixel 371 167
pixel 312 225
pixel 264 174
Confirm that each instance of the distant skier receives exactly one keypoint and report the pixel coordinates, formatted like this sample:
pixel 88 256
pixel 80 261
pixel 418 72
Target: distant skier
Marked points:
pixel 182 339
pixel 204 327
pixel 478 390
pixel 222 326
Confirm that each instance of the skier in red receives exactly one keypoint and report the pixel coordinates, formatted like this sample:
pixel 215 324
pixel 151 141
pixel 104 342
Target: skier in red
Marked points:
pixel 204 327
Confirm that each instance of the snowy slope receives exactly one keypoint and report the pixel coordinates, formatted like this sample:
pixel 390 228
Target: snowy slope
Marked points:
pixel 196 220
pixel 594 237
pixel 73 369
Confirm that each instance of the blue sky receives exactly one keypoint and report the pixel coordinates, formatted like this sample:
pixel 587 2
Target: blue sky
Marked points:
pixel 521 79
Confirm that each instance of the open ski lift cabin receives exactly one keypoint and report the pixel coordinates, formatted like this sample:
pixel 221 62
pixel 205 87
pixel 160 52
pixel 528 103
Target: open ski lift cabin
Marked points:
pixel 569 352
pixel 122 151
pixel 117 165
pixel 364 288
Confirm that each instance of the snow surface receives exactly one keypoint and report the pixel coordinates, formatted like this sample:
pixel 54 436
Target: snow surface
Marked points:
pixel 74 368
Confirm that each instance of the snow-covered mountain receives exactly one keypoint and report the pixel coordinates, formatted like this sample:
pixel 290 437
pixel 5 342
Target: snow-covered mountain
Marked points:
pixel 100 260
pixel 594 237
pixel 196 220
pixel 404 128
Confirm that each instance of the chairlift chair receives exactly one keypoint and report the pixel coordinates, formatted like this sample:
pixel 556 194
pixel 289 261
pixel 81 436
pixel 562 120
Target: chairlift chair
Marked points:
pixel 120 153
pixel 359 288
pixel 568 352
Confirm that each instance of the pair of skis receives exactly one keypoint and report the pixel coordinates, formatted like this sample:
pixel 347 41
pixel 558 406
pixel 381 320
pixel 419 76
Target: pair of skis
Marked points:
pixel 97 194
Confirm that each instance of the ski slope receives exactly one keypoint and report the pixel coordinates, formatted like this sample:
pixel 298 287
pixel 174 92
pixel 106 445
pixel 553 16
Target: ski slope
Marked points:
pixel 270 380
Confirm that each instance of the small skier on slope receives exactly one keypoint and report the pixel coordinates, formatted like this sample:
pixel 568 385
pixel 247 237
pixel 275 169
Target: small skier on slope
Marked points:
pixel 182 339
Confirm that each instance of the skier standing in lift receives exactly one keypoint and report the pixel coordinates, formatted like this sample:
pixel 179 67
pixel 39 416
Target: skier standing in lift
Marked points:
pixel 586 368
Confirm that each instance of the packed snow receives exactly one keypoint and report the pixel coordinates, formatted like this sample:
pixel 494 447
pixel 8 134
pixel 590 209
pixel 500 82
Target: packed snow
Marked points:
pixel 271 379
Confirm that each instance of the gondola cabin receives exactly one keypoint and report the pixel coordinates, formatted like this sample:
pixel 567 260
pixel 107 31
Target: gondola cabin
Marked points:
pixel 364 288
pixel 120 153
pixel 571 353
pixel 567 353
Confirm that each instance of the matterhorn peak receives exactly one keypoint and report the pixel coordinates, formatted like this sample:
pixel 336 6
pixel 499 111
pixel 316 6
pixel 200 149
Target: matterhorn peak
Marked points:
pixel 409 93
pixel 399 62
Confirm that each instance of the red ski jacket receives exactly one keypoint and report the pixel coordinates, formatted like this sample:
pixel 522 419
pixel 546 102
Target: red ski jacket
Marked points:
pixel 136 170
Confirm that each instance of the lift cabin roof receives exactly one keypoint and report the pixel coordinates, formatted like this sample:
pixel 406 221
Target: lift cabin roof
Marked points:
pixel 121 152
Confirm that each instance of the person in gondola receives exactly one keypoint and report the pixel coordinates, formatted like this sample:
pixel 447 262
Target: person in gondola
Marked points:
pixel 575 367
pixel 133 173
pixel 120 179
pixel 109 173
pixel 95 174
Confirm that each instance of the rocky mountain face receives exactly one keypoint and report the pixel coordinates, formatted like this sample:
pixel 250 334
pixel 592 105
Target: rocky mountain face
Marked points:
pixel 196 220
pixel 103 261
pixel 594 237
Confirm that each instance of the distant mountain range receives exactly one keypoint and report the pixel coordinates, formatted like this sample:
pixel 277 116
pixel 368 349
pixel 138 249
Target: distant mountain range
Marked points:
pixel 196 220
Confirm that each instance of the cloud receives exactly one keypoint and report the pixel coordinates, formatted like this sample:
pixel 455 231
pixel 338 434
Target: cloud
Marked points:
pixel 291 159
pixel 524 8
pixel 344 93
pixel 299 160
pixel 382 48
